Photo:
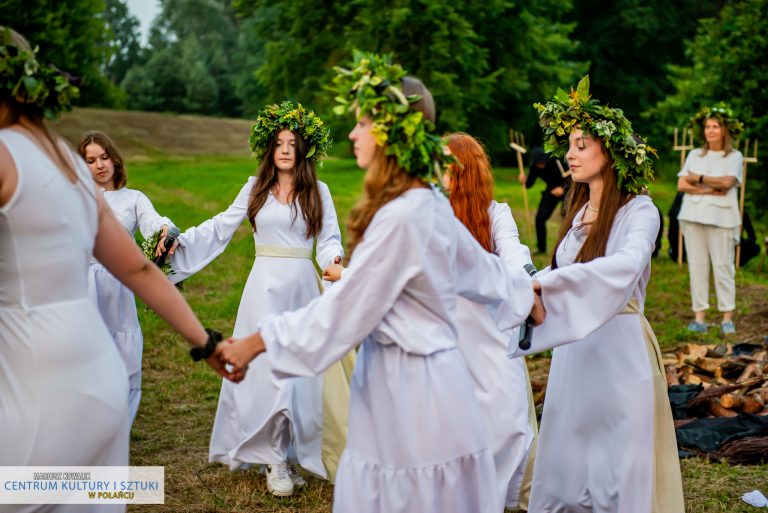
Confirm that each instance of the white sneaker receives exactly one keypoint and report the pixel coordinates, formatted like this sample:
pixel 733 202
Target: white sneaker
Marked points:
pixel 298 481
pixel 279 480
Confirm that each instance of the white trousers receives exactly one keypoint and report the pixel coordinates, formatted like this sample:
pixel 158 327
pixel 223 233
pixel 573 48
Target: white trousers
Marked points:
pixel 705 244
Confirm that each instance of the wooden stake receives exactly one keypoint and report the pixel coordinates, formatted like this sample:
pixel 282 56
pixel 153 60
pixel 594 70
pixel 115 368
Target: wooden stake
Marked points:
pixel 517 143
pixel 747 160
pixel 687 137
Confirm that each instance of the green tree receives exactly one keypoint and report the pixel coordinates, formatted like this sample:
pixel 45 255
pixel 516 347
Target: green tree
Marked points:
pixel 70 35
pixel 485 67
pixel 124 47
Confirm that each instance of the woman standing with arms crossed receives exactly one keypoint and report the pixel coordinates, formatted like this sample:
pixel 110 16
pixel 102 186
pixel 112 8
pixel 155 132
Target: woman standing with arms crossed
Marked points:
pixel 607 440
pixel 135 212
pixel 268 420
pixel 416 442
pixel 709 216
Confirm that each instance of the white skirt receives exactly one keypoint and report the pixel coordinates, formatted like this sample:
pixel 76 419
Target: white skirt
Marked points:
pixel 416 442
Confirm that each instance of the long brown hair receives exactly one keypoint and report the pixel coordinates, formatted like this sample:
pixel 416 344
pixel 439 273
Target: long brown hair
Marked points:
pixel 611 200
pixel 305 189
pixel 120 178
pixel 727 139
pixel 471 186
pixel 385 180
pixel 34 114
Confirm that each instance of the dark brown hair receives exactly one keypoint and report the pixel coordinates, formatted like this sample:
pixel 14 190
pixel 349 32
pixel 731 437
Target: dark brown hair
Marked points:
pixel 305 189
pixel 34 114
pixel 471 186
pixel 611 200
pixel 385 180
pixel 120 178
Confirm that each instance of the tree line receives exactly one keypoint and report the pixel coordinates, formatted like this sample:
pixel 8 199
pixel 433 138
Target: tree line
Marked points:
pixel 485 62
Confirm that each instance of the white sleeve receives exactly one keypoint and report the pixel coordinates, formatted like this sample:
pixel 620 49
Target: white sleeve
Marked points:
pixel 484 278
pixel 687 165
pixel 736 166
pixel 200 245
pixel 307 341
pixel 329 239
pixel 148 219
pixel 506 238
pixel 582 297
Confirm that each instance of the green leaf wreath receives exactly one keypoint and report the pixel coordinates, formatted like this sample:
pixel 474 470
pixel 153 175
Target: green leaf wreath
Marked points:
pixel 26 81
pixel 148 247
pixel 297 119
pixel 372 85
pixel 566 111
pixel 722 113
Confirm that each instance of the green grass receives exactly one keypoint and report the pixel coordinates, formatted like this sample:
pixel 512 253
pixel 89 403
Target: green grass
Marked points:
pixel 179 399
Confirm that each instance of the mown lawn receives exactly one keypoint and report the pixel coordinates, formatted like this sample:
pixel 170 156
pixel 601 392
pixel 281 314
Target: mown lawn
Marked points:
pixel 179 399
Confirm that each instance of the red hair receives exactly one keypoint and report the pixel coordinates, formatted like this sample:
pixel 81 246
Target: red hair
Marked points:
pixel 471 186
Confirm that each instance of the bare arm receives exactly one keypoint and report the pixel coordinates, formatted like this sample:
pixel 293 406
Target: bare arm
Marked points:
pixel 116 250
pixel 684 185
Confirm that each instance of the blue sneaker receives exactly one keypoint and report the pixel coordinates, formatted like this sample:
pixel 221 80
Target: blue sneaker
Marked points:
pixel 728 328
pixel 698 327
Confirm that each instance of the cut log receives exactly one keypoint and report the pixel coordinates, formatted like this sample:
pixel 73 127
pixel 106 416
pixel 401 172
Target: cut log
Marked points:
pixel 718 410
pixel 699 404
pixel 752 405
pixel 732 401
pixel 710 365
pixel 753 369
pixel 671 372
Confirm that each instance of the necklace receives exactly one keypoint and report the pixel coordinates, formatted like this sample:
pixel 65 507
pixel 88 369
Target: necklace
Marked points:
pixel 590 207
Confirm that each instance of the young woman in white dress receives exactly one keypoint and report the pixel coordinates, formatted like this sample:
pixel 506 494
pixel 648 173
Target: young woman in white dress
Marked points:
pixel 416 440
pixel 267 420
pixel 502 386
pixel 606 441
pixel 63 386
pixel 709 215
pixel 135 212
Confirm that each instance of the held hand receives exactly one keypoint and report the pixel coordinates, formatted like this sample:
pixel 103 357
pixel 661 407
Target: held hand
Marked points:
pixel 557 192
pixel 217 364
pixel 717 192
pixel 239 352
pixel 161 243
pixel 337 260
pixel 332 272
pixel 521 177
pixel 538 313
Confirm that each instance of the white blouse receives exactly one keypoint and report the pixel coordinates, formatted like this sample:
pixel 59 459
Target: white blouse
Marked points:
pixel 722 211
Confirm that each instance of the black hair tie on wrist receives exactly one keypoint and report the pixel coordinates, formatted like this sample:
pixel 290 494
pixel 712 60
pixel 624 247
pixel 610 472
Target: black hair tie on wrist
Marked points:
pixel 202 353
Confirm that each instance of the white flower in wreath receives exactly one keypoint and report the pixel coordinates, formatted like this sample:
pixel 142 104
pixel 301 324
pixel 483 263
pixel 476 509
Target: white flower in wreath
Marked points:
pixel 605 128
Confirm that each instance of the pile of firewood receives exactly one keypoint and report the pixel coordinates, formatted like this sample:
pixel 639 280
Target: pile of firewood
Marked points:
pixel 732 383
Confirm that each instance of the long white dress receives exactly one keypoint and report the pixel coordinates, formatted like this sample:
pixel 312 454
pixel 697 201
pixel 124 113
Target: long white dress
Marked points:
pixel 416 439
pixel 501 385
pixel 264 419
pixel 63 386
pixel 606 441
pixel 115 301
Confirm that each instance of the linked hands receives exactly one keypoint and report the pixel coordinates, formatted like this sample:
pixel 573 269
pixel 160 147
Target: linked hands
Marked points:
pixel 333 272
pixel 161 243
pixel 538 312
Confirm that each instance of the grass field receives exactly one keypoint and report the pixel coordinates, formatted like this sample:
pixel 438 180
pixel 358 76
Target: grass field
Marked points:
pixel 192 168
pixel 179 402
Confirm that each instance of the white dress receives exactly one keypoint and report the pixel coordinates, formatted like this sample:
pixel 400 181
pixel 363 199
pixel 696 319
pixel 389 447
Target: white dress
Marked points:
pixel 63 387
pixel 416 440
pixel 264 419
pixel 606 441
pixel 115 301
pixel 501 385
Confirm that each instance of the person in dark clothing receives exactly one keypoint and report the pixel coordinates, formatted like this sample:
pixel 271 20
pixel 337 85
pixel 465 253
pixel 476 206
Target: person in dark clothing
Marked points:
pixel 546 168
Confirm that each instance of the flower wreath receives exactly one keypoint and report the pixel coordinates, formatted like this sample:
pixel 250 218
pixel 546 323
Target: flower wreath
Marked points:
pixel 372 85
pixel 25 80
pixel 720 112
pixel 295 118
pixel 630 152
